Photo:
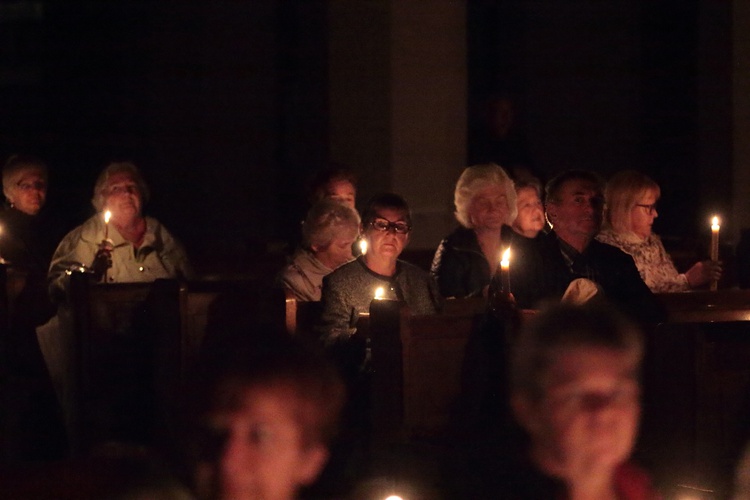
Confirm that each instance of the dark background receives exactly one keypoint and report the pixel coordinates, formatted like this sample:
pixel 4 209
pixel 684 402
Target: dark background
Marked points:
pixel 224 104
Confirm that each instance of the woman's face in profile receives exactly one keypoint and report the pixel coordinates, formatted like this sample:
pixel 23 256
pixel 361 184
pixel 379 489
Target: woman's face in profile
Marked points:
pixel 30 193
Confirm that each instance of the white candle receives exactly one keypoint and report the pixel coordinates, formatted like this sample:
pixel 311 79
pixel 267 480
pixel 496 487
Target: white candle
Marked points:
pixel 714 246
pixel 505 270
pixel 107 216
pixel 715 238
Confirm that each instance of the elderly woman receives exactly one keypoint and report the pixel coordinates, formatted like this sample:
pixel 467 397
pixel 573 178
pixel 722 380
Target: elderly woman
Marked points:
pixel 468 257
pixel 26 240
pixel 348 290
pixel 130 247
pixel 530 219
pixel 328 233
pixel 630 212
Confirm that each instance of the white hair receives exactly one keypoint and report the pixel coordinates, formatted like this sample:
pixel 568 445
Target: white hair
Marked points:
pixel 478 177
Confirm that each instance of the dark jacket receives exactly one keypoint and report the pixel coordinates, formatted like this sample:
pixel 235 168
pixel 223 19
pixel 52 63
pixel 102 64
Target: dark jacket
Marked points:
pixel 460 267
pixel 539 272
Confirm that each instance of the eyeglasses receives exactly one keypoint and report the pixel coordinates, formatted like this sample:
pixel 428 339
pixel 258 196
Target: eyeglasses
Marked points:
pixel 384 225
pixel 650 209
pixel 32 186
pixel 123 188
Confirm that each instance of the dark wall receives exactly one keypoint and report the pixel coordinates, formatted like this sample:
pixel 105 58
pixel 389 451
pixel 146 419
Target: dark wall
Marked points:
pixel 222 104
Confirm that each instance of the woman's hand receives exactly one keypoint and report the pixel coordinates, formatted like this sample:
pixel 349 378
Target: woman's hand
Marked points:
pixel 102 259
pixel 703 272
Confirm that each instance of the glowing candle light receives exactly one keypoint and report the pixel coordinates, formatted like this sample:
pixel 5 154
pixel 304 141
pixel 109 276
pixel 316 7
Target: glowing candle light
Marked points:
pixel 505 270
pixel 379 293
pixel 363 246
pixel 107 216
pixel 714 245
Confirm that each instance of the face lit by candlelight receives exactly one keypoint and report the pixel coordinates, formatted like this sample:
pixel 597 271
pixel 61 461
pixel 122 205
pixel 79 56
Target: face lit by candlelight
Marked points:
pixel 123 198
pixel 643 214
pixel 338 251
pixel 386 245
pixel 577 213
pixel 29 193
pixel 530 219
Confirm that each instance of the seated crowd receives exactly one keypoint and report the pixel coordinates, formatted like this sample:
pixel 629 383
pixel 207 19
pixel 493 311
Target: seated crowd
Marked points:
pixel 262 417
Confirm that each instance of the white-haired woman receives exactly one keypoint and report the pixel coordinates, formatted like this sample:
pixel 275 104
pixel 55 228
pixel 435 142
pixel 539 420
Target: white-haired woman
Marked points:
pixel 630 199
pixel 133 248
pixel 467 258
pixel 328 232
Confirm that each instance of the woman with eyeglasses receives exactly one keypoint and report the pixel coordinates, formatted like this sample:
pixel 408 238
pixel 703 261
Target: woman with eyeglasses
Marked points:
pixel 129 247
pixel 630 211
pixel 348 291
pixel 466 259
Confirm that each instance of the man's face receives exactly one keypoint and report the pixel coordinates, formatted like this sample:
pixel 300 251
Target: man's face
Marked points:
pixel 123 197
pixel 577 213
pixel 586 420
pixel 530 219
pixel 263 455
pixel 387 244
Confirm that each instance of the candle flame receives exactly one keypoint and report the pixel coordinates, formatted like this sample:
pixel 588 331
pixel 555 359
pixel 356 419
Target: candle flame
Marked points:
pixel 107 216
pixel 715 222
pixel 363 246
pixel 505 259
pixel 379 293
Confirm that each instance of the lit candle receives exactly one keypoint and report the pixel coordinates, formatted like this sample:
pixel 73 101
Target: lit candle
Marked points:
pixel 107 216
pixel 379 293
pixel 714 246
pixel 363 246
pixel 505 270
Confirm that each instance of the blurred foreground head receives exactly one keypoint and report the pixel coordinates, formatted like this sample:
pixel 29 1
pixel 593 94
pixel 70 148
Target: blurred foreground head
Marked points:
pixel 267 409
pixel 576 391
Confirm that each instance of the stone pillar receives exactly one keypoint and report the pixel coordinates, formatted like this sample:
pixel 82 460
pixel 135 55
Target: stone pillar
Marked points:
pixel 397 111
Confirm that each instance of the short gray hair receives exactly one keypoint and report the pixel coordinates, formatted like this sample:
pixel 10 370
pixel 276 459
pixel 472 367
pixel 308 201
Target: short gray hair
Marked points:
pixel 325 221
pixel 100 187
pixel 477 177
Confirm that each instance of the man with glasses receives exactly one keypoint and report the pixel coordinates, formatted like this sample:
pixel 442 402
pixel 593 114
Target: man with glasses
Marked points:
pixel 348 291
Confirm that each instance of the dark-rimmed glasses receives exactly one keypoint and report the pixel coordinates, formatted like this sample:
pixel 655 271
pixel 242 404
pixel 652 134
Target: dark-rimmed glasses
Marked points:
pixel 384 225
pixel 650 209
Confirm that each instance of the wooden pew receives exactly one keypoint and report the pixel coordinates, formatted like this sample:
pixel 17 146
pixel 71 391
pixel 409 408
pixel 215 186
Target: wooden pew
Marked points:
pixel 697 380
pixel 417 363
pixel 168 323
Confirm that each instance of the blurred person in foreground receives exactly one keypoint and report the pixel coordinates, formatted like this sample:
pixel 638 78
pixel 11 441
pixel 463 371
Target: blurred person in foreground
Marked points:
pixel 466 259
pixel 264 413
pixel 328 233
pixel 575 390
pixel 132 247
pixel 630 199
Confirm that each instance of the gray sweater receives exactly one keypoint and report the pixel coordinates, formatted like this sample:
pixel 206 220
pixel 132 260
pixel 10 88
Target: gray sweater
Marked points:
pixel 348 291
